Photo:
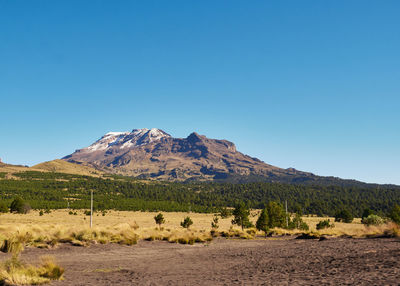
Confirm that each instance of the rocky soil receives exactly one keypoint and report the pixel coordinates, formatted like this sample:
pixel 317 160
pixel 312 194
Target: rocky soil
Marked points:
pixel 287 261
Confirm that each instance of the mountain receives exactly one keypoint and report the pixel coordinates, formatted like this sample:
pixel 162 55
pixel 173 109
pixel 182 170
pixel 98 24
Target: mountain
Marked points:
pixel 154 154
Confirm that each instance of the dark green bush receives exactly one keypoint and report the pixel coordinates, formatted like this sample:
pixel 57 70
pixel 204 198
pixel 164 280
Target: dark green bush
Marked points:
pixel 366 213
pixel 372 220
pixel 298 223
pixel 344 216
pixel 187 222
pixel 159 219
pixel 3 207
pixel 325 224
pixel 214 223
pixel 18 205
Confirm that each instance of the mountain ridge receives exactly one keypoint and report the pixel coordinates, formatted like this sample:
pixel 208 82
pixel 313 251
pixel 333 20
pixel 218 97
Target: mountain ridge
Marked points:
pixel 155 154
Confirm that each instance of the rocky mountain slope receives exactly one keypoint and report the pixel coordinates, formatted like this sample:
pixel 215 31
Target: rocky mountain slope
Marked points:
pixel 153 153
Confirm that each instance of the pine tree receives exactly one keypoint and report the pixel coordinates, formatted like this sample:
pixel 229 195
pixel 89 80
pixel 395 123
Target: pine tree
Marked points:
pixel 159 219
pixel 395 214
pixel 276 215
pixel 241 216
pixel 262 222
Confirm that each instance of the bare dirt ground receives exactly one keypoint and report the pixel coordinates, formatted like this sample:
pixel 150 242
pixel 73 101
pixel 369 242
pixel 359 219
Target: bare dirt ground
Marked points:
pixel 287 261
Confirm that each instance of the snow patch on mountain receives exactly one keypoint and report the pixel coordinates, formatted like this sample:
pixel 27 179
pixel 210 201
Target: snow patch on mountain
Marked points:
pixel 124 140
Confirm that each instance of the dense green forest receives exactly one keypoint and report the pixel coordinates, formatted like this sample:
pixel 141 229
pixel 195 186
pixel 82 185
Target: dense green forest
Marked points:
pixel 56 190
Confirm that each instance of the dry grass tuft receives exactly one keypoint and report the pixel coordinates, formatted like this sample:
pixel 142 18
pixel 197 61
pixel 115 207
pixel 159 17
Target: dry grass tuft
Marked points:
pixel 238 233
pixel 14 272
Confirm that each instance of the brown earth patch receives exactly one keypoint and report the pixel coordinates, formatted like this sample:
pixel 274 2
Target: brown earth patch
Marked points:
pixel 285 261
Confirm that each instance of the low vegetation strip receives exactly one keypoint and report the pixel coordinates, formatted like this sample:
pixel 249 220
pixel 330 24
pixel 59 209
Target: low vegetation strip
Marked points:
pixel 128 228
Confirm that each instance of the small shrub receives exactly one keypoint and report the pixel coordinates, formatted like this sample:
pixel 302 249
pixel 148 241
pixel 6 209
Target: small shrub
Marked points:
pixel 41 213
pixel 70 212
pixel 303 226
pixel 325 224
pixel 214 223
pixel 372 220
pixel 298 223
pixel 187 222
pixel 366 213
pixel 159 219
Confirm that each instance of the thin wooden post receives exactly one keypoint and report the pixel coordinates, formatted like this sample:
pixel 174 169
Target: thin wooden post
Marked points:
pixel 91 208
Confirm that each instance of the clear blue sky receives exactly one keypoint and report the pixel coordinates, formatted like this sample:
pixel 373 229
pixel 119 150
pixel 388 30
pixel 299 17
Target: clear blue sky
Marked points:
pixel 313 85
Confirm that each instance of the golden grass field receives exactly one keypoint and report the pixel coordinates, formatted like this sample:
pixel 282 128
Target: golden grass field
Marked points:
pixel 60 225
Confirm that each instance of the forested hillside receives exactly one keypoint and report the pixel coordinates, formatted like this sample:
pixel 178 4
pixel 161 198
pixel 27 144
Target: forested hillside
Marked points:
pixel 56 190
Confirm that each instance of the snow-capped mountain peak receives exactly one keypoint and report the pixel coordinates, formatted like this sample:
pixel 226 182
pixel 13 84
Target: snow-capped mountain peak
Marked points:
pixel 123 140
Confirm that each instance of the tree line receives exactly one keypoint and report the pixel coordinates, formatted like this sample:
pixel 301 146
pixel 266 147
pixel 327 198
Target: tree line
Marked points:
pixel 56 191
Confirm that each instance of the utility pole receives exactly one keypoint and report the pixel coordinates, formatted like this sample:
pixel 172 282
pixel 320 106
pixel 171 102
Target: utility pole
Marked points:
pixel 91 208
pixel 287 218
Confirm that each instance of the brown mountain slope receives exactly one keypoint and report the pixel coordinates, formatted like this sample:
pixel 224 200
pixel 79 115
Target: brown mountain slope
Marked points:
pixel 155 154
pixel 58 166
pixel 61 166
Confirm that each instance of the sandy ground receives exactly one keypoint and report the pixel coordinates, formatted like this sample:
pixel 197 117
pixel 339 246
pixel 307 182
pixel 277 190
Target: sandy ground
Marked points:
pixel 288 261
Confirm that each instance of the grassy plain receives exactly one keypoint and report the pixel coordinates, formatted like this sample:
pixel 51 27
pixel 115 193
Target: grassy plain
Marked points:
pixel 59 225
